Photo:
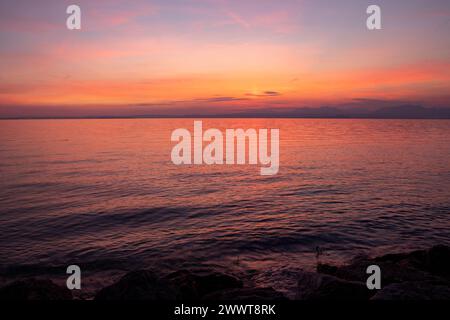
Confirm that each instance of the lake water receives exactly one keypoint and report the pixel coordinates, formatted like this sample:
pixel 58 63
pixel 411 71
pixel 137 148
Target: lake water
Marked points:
pixel 80 191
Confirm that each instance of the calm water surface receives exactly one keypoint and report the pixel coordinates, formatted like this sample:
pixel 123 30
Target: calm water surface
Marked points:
pixel 75 191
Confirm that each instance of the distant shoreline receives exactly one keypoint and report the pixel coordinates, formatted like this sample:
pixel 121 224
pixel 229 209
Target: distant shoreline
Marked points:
pixel 406 112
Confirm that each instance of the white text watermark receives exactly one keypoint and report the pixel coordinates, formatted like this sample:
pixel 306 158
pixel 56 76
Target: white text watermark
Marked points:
pixel 227 148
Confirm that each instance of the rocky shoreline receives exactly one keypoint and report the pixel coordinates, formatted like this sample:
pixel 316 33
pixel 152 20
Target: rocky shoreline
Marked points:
pixel 417 275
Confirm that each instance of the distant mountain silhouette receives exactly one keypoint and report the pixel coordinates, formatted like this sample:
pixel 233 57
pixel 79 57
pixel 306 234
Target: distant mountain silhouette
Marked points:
pixel 398 112
pixel 411 112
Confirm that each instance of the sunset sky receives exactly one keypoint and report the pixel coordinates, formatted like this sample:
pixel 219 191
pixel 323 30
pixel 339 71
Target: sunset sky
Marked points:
pixel 161 56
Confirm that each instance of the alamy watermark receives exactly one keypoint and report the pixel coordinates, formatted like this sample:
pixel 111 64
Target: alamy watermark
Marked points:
pixel 73 21
pixel 227 148
pixel 74 280
pixel 374 280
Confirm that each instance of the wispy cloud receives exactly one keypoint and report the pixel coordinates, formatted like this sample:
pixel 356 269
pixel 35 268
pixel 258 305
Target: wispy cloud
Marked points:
pixel 264 94
pixel 237 19
pixel 220 99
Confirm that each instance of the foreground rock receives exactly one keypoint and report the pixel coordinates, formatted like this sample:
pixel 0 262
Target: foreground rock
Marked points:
pixel 246 294
pixel 139 285
pixel 418 275
pixel 315 286
pixel 34 289
pixel 194 284
pixel 183 285
pixel 424 265
pixel 414 290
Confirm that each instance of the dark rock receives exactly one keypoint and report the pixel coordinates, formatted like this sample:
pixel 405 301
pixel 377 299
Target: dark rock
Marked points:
pixel 194 284
pixel 414 290
pixel 139 285
pixel 186 283
pixel 436 261
pixel 315 286
pixel 246 294
pixel 34 289
pixel 395 268
pixel 179 285
pixel 326 269
pixel 417 275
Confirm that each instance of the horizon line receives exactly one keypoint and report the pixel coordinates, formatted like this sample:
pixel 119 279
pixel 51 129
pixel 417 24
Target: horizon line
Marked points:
pixel 224 117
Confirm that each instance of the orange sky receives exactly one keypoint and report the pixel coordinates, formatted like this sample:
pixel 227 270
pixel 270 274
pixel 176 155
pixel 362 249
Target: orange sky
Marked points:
pixel 222 54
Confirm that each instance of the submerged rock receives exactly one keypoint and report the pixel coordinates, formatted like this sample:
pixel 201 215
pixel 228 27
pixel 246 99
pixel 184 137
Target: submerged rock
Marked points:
pixel 315 286
pixel 34 289
pixel 392 272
